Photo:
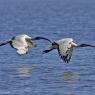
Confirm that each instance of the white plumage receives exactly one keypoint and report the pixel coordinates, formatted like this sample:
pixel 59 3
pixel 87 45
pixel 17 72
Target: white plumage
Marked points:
pixel 22 42
pixel 65 48
pixel 65 45
pixel 22 51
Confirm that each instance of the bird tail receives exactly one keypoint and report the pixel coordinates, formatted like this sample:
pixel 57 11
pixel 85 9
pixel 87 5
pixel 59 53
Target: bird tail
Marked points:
pixel 22 51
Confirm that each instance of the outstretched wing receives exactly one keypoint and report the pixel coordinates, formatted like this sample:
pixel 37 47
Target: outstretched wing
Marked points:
pixel 39 38
pixel 5 42
pixel 48 50
pixel 85 45
pixel 65 51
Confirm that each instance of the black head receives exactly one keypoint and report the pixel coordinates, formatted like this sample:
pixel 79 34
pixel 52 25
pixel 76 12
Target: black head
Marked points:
pixel 55 45
pixel 13 38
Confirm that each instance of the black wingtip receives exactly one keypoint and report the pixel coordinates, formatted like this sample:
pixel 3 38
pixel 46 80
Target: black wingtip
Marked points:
pixel 86 45
pixel 45 51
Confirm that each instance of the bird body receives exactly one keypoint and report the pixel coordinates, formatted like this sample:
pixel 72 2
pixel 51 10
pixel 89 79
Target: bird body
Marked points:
pixel 65 45
pixel 65 48
pixel 22 42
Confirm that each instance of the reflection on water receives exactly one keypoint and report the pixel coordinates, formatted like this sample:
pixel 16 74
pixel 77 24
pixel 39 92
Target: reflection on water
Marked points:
pixel 24 71
pixel 69 79
pixel 68 76
pixel 69 94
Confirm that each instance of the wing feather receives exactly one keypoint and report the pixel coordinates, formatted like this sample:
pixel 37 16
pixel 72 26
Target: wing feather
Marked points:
pixel 65 51
pixel 22 51
pixel 86 45
pixel 5 42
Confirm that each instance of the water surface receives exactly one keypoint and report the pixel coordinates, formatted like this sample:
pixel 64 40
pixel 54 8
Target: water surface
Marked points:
pixel 38 74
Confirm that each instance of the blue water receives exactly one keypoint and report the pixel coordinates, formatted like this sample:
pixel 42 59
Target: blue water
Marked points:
pixel 38 74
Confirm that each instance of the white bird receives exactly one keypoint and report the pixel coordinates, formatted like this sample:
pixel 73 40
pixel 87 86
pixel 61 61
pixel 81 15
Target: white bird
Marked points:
pixel 65 48
pixel 22 42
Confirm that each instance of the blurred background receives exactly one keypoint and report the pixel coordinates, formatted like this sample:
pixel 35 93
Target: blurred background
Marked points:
pixel 38 74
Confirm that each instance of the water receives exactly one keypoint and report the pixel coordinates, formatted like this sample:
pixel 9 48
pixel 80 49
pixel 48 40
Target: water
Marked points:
pixel 38 74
